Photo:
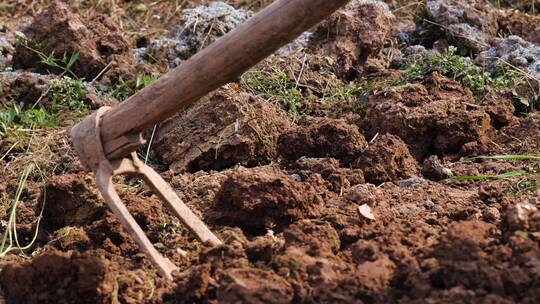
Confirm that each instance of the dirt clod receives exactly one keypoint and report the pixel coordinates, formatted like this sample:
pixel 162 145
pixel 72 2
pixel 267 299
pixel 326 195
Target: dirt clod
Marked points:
pixel 225 129
pixel 316 237
pixel 252 285
pixel 387 159
pixel 522 215
pixel 520 24
pixel 71 200
pixel 353 34
pixel 339 178
pixel 265 197
pixel 85 279
pixel 327 138
pixel 97 41
pixel 433 117
pixel 25 88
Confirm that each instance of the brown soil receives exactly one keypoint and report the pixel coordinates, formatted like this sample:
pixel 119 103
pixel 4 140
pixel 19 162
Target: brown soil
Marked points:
pixel 526 129
pixel 85 279
pixel 520 24
pixel 387 159
pixel 355 210
pixel 340 179
pixel 326 138
pixel 265 197
pixel 97 41
pixel 71 200
pixel 253 285
pixel 434 117
pixel 225 129
pixel 26 88
pixel 351 35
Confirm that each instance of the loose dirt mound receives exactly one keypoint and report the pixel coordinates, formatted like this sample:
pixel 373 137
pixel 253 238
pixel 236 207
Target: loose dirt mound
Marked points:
pixel 316 237
pixel 434 117
pixel 515 51
pixel 197 28
pixel 340 179
pixel 252 285
pixel 224 129
pixel 520 24
pixel 387 159
pixel 327 138
pixel 97 41
pixel 24 88
pixel 527 129
pixel 352 35
pixel 71 200
pixel 265 197
pixel 468 258
pixel 84 279
pixel 471 23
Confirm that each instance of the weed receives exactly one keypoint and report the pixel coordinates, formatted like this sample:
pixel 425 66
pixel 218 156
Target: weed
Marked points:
pixel 451 65
pixel 64 64
pixel 64 96
pixel 126 88
pixel 15 118
pixel 525 185
pixel 68 94
pixel 535 158
pixel 486 177
pixel 151 285
pixel 276 86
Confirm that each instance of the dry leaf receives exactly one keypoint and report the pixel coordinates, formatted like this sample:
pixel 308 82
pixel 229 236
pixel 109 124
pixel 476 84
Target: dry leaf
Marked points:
pixel 365 211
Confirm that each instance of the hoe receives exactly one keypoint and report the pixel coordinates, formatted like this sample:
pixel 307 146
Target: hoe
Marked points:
pixel 106 140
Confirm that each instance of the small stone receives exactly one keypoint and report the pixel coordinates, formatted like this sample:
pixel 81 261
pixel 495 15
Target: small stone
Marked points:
pixel 468 23
pixel 429 204
pixel 364 194
pixel 434 169
pixel 296 177
pixel 409 182
pixel 513 50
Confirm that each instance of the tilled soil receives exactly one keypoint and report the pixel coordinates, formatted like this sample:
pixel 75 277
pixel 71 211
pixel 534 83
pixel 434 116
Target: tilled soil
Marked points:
pixel 377 198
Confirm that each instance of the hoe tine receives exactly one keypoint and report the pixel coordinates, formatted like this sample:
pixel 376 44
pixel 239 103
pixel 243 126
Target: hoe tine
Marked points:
pixel 160 187
pixel 106 187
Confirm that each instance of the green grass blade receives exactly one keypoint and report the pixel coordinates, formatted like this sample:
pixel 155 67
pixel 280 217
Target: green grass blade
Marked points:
pixel 487 177
pixel 510 157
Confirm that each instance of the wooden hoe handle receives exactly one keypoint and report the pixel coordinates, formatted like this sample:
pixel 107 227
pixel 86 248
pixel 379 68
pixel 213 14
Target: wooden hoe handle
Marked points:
pixel 223 61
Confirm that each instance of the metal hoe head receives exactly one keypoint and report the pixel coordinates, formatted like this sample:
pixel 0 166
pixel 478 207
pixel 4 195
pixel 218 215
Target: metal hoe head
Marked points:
pixel 87 142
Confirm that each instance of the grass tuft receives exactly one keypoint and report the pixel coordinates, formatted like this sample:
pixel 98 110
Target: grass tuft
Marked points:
pixel 10 240
pixel 473 77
